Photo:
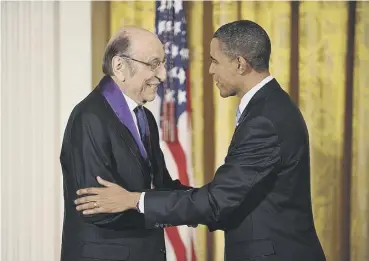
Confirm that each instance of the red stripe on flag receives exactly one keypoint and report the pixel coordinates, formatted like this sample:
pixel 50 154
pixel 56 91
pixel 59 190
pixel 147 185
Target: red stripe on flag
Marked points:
pixel 193 251
pixel 178 246
pixel 180 159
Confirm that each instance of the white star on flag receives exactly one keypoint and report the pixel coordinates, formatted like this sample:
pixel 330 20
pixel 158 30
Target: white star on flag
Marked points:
pixel 162 6
pixel 181 76
pixel 177 27
pixel 182 98
pixel 184 53
pixel 173 72
pixel 166 47
pixel 169 4
pixel 174 50
pixel 177 6
pixel 161 27
pixel 169 95
pixel 169 26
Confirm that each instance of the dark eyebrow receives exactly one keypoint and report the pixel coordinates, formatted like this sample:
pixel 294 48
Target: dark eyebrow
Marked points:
pixel 211 57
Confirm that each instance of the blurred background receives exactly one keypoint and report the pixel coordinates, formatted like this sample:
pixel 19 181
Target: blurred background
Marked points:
pixel 51 54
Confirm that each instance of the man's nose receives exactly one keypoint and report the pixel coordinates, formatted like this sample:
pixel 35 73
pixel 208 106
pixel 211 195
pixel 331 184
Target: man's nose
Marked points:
pixel 162 74
pixel 211 69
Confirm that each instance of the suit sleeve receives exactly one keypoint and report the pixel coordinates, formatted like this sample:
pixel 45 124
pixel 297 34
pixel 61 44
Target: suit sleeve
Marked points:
pixel 168 182
pixel 91 157
pixel 255 156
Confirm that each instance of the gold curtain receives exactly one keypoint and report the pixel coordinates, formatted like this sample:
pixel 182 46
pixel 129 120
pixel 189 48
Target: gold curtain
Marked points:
pixel 320 88
pixel 360 163
pixel 135 13
pixel 323 30
pixel 195 44
pixel 275 18
pixel 224 111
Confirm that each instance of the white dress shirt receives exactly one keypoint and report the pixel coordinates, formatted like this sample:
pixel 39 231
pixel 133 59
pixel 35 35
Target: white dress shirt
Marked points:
pixel 248 95
pixel 132 105
pixel 244 101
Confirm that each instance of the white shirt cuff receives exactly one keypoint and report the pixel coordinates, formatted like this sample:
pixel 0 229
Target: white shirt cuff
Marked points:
pixel 141 203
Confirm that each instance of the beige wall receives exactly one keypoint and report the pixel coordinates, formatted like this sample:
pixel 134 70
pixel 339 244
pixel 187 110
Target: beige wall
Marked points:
pixel 100 36
pixel 45 71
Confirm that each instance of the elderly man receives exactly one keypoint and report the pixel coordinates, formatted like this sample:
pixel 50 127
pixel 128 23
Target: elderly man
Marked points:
pixel 112 135
pixel 260 196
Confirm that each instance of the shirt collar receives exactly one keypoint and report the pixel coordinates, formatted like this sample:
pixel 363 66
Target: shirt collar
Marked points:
pixel 248 95
pixel 131 103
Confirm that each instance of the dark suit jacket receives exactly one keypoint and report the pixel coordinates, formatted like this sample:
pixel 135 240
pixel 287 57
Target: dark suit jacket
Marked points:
pixel 95 144
pixel 260 196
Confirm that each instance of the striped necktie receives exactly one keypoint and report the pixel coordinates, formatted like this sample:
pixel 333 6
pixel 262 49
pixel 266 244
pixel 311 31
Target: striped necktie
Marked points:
pixel 143 126
pixel 238 115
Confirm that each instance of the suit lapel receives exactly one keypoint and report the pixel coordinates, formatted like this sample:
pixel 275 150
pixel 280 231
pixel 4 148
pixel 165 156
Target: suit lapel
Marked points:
pixel 259 96
pixel 123 120
pixel 128 138
pixel 155 151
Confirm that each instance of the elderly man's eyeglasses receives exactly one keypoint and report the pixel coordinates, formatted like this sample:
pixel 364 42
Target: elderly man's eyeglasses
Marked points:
pixel 154 65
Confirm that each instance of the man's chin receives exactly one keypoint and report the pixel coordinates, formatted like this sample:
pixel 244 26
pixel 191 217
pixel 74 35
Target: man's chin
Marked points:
pixel 223 94
pixel 150 98
pixel 227 94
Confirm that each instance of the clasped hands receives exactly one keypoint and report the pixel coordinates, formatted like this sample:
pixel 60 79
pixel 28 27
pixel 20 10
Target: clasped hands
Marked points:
pixel 109 199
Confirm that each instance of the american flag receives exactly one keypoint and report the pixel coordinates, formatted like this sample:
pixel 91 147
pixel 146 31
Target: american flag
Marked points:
pixel 173 116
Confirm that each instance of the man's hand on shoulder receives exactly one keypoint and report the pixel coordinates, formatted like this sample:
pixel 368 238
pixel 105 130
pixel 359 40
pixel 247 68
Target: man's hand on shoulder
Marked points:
pixel 109 199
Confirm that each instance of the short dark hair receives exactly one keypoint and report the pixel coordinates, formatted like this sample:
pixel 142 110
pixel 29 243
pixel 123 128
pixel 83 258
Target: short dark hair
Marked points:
pixel 247 39
pixel 119 46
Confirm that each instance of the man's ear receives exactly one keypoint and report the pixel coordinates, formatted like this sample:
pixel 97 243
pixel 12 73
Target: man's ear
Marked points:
pixel 118 67
pixel 243 67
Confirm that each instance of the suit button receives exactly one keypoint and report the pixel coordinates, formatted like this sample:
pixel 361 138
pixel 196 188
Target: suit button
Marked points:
pixel 163 250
